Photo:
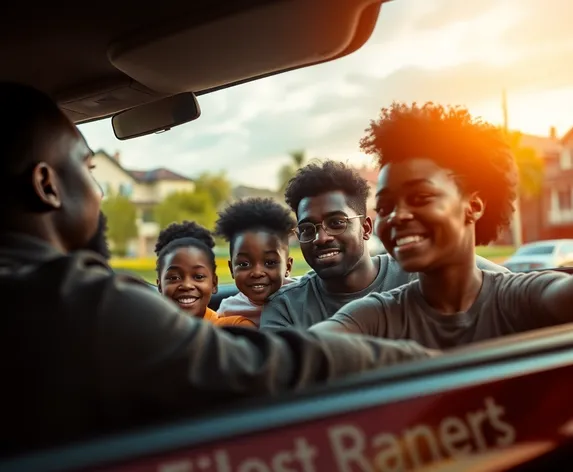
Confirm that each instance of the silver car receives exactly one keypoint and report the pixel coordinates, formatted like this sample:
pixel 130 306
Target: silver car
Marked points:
pixel 542 255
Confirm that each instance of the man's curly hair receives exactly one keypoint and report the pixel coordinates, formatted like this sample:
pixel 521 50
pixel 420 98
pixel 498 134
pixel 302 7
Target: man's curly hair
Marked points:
pixel 254 214
pixel 329 176
pixel 477 152
pixel 181 235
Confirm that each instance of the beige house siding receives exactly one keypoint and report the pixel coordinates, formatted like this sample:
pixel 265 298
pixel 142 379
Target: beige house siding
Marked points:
pixel 110 176
pixel 113 178
pixel 165 187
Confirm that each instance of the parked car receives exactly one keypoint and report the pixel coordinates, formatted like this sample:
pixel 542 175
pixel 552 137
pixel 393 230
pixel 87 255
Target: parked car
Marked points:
pixel 542 255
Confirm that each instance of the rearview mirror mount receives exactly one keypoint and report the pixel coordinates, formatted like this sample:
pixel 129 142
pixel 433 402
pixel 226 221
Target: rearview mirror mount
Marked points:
pixel 154 117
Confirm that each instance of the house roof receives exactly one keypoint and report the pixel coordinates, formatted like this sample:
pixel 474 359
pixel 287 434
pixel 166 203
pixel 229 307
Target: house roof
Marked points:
pixel 243 191
pixel 144 176
pixel 113 160
pixel 155 175
pixel 567 136
pixel 543 145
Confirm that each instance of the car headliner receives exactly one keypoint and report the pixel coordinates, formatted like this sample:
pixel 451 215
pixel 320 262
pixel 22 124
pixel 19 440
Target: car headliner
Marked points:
pixel 111 56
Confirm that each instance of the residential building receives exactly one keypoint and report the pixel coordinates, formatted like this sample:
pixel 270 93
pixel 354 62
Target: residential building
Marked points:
pixel 144 188
pixel 550 214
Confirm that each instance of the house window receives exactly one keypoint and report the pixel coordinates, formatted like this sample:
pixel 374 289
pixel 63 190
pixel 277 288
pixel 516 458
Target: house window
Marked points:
pixel 104 188
pixel 126 189
pixel 565 160
pixel 148 216
pixel 564 196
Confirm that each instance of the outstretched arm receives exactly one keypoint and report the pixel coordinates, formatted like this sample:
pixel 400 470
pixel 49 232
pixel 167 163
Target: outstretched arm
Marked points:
pixel 150 354
pixel 362 316
pixel 537 299
pixel 557 298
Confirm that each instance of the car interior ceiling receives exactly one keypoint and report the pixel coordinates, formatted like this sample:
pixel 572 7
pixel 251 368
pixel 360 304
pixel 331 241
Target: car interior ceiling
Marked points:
pixel 138 55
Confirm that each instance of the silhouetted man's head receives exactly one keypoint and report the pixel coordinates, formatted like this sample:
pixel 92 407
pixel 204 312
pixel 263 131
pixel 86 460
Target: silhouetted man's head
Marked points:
pixel 48 189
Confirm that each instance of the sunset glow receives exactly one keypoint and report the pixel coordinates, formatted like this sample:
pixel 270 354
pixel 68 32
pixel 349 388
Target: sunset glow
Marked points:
pixel 446 51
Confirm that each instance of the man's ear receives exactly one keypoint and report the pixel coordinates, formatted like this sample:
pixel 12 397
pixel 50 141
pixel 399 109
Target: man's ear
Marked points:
pixel 230 263
pixel 158 283
pixel 215 284
pixel 476 208
pixel 367 228
pixel 290 262
pixel 45 185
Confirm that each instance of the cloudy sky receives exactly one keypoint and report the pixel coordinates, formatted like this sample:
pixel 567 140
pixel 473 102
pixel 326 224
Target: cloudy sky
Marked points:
pixel 446 51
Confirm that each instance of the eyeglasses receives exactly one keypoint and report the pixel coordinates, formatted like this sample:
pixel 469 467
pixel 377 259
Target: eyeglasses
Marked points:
pixel 333 226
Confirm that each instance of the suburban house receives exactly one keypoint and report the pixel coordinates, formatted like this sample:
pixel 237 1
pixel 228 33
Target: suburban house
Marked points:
pixel 144 188
pixel 550 214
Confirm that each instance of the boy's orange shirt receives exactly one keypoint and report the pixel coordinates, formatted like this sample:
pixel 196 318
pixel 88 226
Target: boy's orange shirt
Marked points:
pixel 214 318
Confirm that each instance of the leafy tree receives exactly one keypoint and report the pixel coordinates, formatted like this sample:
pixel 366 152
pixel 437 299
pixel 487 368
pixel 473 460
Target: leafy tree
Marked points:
pixel 121 216
pixel 217 186
pixel 184 205
pixel 288 171
pixel 530 166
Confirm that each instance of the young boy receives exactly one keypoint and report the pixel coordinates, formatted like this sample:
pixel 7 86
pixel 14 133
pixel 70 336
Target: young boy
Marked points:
pixel 258 233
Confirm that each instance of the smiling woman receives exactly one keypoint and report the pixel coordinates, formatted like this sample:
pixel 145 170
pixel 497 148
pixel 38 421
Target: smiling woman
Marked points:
pixel 447 181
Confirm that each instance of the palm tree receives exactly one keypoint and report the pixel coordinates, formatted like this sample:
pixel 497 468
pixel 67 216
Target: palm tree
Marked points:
pixel 529 164
pixel 288 171
pixel 530 168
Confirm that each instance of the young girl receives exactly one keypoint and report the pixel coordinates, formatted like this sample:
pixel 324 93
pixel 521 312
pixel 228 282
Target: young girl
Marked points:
pixel 186 271
pixel 446 183
pixel 258 232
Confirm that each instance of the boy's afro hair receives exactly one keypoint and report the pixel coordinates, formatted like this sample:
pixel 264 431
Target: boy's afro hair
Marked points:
pixel 253 214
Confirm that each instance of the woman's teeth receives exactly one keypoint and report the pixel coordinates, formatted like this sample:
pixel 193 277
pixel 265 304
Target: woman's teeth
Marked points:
pixel 409 240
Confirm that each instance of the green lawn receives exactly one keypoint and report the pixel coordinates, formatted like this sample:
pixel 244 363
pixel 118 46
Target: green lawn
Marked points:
pixel 145 268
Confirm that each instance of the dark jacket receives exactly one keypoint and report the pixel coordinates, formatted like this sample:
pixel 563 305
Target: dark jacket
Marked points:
pixel 86 352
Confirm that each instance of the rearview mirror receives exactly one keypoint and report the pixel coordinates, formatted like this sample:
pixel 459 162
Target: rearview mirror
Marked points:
pixel 161 115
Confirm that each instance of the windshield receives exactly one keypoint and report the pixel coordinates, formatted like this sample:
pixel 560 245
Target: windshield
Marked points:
pixel 502 60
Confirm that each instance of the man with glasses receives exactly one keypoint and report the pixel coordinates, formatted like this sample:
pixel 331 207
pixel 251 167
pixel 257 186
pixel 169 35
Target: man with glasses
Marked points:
pixel 329 200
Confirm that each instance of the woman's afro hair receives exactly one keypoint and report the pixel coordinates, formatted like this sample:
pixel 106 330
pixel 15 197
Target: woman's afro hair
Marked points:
pixel 477 152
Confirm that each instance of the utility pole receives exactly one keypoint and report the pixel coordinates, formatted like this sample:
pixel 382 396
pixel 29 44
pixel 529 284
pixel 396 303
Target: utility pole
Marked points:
pixel 516 223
